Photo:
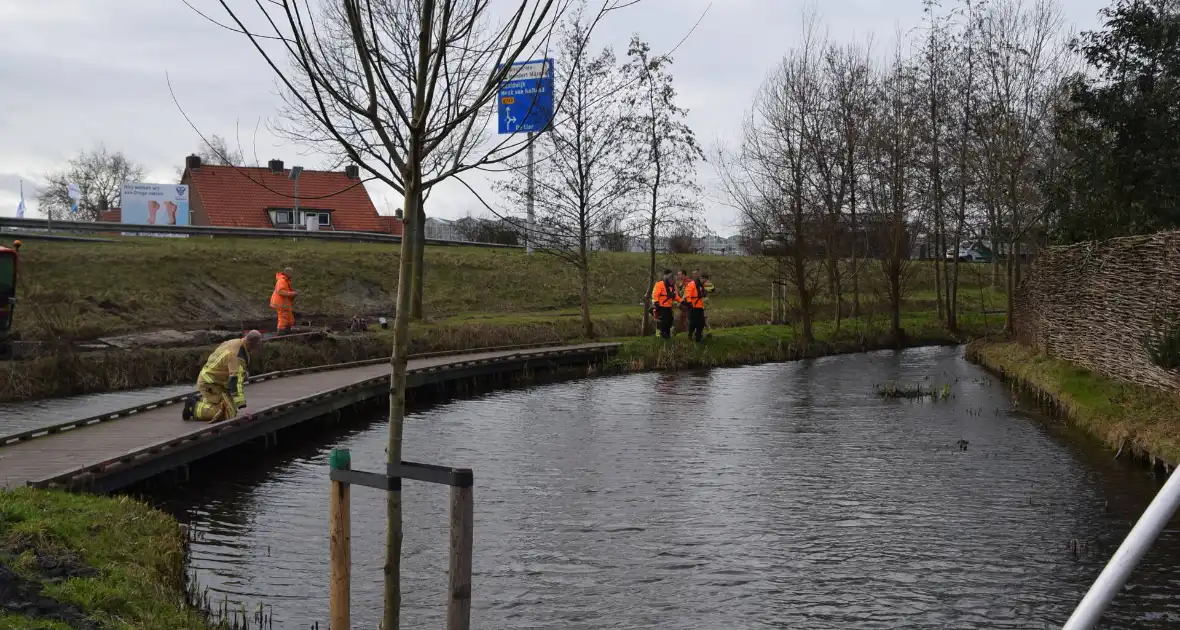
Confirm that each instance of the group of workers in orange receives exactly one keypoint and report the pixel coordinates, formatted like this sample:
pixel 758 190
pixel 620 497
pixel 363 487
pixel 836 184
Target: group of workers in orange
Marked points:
pixel 221 385
pixel 686 293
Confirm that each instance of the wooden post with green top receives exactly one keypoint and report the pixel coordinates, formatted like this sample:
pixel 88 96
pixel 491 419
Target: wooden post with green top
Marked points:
pixel 340 544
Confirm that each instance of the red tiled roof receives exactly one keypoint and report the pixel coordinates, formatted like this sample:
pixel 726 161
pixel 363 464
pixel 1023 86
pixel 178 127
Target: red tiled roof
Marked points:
pixel 239 197
pixel 112 215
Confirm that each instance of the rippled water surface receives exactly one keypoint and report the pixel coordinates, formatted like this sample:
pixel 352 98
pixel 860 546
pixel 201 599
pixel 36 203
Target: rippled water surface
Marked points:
pixel 780 496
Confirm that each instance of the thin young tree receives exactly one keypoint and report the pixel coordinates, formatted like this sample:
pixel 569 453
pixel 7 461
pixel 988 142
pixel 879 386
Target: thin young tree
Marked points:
pixel 668 150
pixel 850 74
pixel 588 172
pixel 392 111
pixel 934 79
pixel 828 174
pixel 767 181
pixel 1024 61
pixel 963 88
pixel 892 149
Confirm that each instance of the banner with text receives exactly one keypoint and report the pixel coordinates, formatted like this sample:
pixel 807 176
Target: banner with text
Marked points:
pixel 155 204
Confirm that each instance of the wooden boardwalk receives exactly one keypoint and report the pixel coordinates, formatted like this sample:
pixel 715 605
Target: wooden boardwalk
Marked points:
pixel 111 451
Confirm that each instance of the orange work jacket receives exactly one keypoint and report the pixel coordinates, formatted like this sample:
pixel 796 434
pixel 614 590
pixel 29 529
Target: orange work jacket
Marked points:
pixel 692 294
pixel 277 299
pixel 661 297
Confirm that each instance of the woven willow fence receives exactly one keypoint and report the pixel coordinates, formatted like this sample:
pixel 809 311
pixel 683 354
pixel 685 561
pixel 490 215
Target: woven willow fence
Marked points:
pixel 1096 304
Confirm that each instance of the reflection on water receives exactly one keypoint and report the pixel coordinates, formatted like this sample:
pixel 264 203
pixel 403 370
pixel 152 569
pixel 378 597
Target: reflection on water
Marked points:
pixel 776 496
pixel 22 416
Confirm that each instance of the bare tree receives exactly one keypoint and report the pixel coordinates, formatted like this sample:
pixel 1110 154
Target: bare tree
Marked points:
pixel 767 181
pixel 395 110
pixel 934 84
pixel 850 78
pixel 218 152
pixel 99 175
pixel 892 148
pixel 963 89
pixel 1023 62
pixel 587 171
pixel 669 151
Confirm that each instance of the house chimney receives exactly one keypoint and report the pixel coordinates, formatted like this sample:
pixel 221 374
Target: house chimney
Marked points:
pixel 276 166
pixel 192 162
pixel 352 171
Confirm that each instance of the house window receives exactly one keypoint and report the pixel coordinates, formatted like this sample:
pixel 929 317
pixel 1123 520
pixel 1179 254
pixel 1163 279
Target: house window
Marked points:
pixel 289 218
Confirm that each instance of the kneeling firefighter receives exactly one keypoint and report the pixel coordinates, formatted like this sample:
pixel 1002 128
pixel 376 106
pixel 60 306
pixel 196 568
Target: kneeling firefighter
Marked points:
pixel 221 386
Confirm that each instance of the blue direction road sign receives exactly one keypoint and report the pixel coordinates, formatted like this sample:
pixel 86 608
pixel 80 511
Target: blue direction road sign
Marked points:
pixel 525 102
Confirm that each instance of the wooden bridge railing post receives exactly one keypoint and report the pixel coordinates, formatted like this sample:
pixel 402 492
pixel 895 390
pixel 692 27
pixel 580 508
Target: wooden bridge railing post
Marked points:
pixel 340 544
pixel 462 541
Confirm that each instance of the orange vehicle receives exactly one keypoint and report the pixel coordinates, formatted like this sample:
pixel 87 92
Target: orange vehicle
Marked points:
pixel 8 260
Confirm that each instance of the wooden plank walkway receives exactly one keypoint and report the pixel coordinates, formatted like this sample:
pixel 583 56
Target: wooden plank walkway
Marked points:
pixel 134 439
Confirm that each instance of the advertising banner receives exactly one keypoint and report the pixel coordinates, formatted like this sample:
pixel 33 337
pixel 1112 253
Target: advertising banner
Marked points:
pixel 155 204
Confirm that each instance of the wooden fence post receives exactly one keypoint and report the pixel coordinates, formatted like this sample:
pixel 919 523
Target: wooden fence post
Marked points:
pixel 340 543
pixel 462 536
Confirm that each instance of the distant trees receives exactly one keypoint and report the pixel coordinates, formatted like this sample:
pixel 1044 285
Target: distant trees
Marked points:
pixel 845 157
pixel 99 175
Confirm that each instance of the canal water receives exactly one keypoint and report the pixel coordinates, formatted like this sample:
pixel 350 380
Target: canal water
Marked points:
pixel 788 496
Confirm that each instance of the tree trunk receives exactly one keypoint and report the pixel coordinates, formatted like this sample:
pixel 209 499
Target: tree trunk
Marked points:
pixel 419 262
pixel 1010 294
pixel 584 295
pixel 895 306
pixel 938 277
pixel 648 324
pixel 834 282
pixel 397 403
pixel 800 265
pixel 855 239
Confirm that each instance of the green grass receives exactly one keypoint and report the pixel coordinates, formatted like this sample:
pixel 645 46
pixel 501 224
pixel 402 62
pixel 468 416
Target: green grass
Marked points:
pixel 84 290
pixel 1142 421
pixel 760 344
pixel 132 556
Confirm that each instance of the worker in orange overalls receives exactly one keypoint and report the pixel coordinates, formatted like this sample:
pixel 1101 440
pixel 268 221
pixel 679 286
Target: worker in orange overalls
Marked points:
pixel 663 300
pixel 282 300
pixel 694 299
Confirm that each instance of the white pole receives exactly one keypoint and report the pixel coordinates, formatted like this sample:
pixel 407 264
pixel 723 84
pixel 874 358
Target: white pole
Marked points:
pixel 532 191
pixel 1155 518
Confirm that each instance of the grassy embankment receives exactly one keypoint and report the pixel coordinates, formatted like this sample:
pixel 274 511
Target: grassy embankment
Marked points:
pixel 1140 421
pixel 474 298
pixel 80 561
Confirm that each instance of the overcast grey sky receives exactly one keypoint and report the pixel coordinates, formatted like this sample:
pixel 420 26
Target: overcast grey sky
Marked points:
pixel 74 73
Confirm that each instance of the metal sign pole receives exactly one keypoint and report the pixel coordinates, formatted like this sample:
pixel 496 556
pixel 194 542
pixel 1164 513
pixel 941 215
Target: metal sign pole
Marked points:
pixel 532 192
pixel 1155 518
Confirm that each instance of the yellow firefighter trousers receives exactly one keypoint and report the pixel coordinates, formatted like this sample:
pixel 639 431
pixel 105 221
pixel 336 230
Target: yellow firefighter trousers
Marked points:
pixel 215 404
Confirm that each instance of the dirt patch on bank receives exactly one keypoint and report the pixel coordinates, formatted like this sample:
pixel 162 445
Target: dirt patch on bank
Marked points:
pixel 28 563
